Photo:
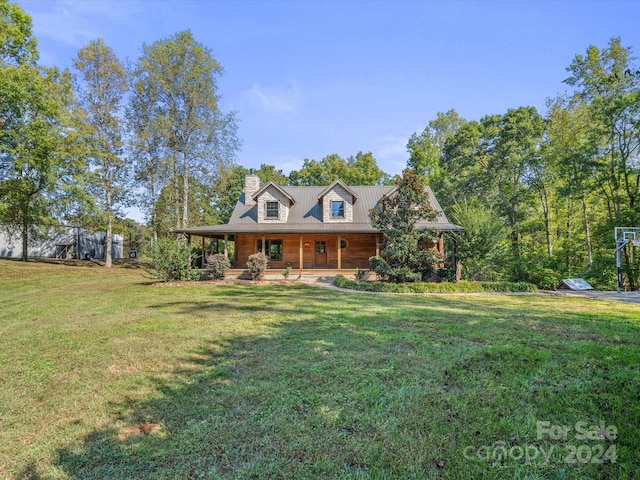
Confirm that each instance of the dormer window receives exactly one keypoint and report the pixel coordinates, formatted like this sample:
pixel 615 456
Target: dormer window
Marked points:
pixel 337 209
pixel 272 209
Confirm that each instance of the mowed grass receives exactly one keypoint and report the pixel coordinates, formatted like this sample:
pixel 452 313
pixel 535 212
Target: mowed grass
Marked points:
pixel 106 375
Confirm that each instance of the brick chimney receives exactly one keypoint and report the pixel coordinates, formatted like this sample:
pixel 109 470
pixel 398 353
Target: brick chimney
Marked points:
pixel 251 186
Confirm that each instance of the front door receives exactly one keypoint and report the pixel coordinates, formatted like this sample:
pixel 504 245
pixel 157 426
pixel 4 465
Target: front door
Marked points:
pixel 321 254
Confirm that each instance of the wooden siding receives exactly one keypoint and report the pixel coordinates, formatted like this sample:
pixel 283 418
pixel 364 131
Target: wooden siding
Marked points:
pixel 359 248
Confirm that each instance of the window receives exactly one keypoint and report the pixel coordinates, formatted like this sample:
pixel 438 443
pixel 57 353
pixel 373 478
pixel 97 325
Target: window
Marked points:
pixel 272 209
pixel 273 249
pixel 337 209
pixel 321 247
pixel 343 244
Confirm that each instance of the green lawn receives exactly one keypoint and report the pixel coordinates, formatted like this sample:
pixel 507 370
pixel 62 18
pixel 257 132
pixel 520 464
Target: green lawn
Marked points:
pixel 106 375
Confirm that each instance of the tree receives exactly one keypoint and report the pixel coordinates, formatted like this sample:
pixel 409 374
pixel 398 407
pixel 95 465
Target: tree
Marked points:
pixel 178 77
pixel 17 43
pixel 267 173
pixel 35 129
pixel 227 189
pixel 359 170
pixel 513 157
pixel 425 150
pixel 151 164
pixel 481 246
pixel 103 86
pixel 608 83
pixel 405 255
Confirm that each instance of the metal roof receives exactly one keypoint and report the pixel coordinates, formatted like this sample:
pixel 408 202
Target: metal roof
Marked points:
pixel 305 214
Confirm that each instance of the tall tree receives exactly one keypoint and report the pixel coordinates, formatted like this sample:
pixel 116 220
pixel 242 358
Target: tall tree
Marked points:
pixel 101 92
pixel 426 149
pixel 608 82
pixel 405 255
pixel 35 128
pixel 179 78
pixel 146 144
pixel 359 170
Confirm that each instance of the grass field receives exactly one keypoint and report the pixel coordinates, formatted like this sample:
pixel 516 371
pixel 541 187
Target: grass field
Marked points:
pixel 106 375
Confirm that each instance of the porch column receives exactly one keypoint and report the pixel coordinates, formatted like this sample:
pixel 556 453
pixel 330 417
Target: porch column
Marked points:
pixel 377 245
pixel 264 248
pixel 301 254
pixel 226 252
pixel 339 252
pixel 204 255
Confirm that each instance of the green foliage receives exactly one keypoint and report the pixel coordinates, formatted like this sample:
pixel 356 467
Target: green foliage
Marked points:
pixel 425 150
pixel 171 259
pixel 257 264
pixel 17 43
pixel 218 265
pixel 38 131
pixel 286 272
pixel 361 274
pixel 537 270
pixel 481 247
pixel 175 86
pixel 405 255
pixel 359 170
pixel 431 287
pixel 103 87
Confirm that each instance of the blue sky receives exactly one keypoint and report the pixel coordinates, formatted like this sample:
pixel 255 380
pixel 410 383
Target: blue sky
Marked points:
pixel 311 78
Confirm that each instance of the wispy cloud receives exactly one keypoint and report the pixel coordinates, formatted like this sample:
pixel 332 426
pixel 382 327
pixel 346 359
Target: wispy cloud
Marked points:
pixel 74 23
pixel 277 99
pixel 391 153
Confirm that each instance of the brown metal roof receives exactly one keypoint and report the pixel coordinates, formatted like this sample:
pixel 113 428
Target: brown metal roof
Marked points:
pixel 305 215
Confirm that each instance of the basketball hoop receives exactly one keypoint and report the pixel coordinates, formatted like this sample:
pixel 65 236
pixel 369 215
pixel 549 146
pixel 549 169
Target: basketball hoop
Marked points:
pixel 624 236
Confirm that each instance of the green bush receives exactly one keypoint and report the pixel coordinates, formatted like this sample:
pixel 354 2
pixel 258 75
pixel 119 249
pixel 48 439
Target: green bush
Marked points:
pixel 286 272
pixel 361 274
pixel 430 287
pixel 218 265
pixel 171 260
pixel 257 264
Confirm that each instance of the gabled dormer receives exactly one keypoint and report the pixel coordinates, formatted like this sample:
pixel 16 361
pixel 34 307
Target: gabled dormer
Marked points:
pixel 336 202
pixel 272 203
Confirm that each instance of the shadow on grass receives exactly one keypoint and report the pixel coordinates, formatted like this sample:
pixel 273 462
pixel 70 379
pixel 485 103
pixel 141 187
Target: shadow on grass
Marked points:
pixel 370 389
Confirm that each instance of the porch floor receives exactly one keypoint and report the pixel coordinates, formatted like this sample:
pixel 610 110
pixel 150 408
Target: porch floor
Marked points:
pixel 308 274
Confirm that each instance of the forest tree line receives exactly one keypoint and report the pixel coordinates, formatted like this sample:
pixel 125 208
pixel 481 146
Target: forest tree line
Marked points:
pixel 539 194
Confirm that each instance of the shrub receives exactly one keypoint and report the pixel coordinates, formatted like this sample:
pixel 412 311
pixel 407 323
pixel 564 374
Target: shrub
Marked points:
pixel 286 272
pixel 361 274
pixel 444 287
pixel 257 264
pixel 171 259
pixel 218 265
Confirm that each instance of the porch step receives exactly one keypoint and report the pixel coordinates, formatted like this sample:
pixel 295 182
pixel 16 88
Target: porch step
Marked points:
pixel 307 275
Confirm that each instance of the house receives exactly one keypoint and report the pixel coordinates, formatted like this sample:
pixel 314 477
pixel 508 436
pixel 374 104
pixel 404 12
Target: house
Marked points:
pixel 309 227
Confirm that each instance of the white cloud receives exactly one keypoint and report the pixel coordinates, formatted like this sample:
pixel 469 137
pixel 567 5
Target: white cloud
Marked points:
pixel 74 23
pixel 390 152
pixel 276 99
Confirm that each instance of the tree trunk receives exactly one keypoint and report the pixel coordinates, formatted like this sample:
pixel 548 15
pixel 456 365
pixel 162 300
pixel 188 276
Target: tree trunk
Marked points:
pixel 25 237
pixel 185 191
pixel 108 237
pixel 569 234
pixel 587 231
pixel 176 191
